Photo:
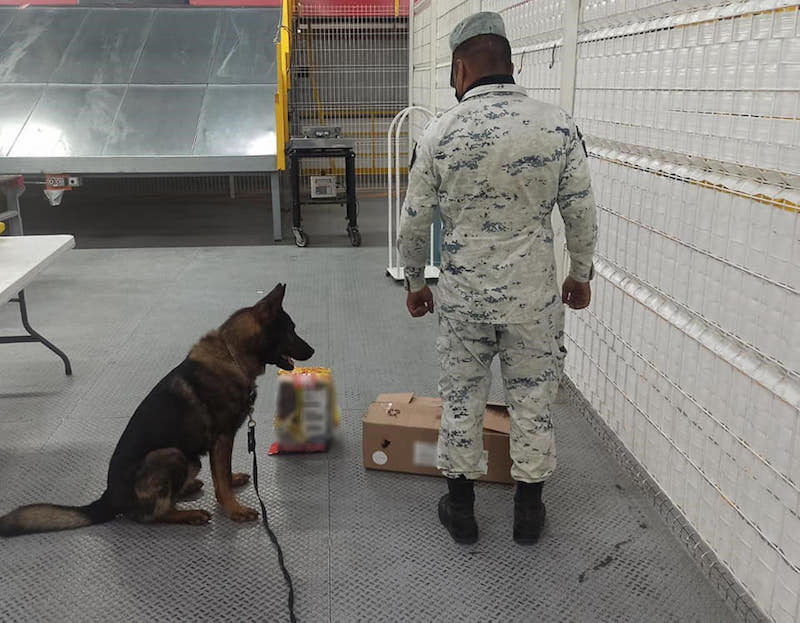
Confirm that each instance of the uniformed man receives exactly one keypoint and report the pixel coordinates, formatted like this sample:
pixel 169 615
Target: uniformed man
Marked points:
pixel 495 165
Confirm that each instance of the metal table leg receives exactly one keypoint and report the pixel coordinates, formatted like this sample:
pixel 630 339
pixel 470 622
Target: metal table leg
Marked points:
pixel 33 336
pixel 274 183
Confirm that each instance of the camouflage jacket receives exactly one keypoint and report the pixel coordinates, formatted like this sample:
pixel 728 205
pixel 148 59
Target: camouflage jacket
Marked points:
pixel 496 165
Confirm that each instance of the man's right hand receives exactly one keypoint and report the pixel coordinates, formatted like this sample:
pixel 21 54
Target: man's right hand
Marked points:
pixel 576 294
pixel 420 303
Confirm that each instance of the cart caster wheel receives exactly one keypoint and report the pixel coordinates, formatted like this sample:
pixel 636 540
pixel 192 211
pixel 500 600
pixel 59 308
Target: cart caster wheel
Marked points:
pixel 300 238
pixel 355 237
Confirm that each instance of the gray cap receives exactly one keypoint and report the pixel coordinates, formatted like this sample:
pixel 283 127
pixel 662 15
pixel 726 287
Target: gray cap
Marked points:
pixel 485 23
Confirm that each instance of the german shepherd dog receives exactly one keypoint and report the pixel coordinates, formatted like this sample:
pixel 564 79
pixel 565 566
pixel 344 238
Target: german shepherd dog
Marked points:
pixel 195 409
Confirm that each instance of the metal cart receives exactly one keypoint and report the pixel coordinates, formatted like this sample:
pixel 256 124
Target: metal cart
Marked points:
pixel 324 143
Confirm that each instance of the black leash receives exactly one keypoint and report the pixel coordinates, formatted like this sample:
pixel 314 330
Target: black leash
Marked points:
pixel 251 448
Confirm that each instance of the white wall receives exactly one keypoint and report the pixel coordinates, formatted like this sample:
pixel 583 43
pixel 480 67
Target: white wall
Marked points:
pixel 690 351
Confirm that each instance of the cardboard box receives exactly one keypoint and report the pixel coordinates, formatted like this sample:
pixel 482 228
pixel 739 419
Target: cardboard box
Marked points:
pixel 400 431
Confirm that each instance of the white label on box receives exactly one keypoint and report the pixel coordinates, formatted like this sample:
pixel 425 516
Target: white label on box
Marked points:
pixel 425 453
pixel 315 412
pixel 379 457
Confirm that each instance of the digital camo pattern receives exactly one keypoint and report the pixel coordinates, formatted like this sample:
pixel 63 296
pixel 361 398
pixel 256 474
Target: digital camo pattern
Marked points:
pixel 496 165
pixel 532 362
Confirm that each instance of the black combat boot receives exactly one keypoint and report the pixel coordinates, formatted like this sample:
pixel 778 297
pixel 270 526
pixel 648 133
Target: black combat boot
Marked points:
pixel 529 513
pixel 456 510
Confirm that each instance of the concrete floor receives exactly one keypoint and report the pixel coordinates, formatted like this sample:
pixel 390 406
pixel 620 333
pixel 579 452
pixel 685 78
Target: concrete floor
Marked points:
pixel 361 545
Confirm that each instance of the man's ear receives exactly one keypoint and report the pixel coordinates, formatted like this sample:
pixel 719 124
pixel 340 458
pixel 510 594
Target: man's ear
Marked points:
pixel 267 308
pixel 459 78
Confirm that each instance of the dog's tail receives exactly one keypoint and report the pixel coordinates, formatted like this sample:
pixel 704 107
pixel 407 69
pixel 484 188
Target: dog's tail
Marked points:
pixel 50 517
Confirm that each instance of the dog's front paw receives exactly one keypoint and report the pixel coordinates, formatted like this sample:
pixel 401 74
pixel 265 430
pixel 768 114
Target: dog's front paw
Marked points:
pixel 241 513
pixel 239 479
pixel 197 517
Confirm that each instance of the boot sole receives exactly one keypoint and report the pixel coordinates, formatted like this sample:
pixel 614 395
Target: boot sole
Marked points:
pixel 519 540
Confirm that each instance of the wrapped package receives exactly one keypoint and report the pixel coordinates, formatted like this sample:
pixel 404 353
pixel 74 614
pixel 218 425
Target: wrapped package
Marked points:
pixel 306 412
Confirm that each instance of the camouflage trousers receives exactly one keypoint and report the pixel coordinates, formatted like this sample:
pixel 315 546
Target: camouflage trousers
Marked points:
pixel 532 363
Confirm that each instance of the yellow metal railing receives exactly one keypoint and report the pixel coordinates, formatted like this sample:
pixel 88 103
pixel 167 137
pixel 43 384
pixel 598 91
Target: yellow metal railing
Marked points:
pixel 282 51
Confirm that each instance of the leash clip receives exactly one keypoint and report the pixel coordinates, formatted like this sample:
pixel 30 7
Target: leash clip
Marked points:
pixel 251 435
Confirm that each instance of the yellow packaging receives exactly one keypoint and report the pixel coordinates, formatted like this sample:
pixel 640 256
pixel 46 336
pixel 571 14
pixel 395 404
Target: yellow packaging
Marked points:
pixel 306 411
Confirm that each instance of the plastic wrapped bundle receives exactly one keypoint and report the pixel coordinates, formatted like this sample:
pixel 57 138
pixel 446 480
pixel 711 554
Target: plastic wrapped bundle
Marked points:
pixel 306 411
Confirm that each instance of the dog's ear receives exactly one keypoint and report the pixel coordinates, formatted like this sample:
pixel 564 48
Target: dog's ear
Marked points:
pixel 279 291
pixel 267 308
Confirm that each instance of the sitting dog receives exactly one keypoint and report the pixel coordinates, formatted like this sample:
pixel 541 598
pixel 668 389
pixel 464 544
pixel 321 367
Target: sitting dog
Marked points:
pixel 195 409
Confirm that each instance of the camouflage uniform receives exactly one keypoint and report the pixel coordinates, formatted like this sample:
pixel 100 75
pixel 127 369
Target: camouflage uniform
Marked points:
pixel 495 165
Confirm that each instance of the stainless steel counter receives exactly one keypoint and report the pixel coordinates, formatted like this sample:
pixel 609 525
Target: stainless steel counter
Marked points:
pixel 129 91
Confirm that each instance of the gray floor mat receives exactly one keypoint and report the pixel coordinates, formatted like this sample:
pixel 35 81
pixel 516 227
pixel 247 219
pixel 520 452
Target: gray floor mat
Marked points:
pixel 361 545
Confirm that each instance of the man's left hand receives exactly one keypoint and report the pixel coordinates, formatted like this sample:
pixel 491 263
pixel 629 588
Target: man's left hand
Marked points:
pixel 420 303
